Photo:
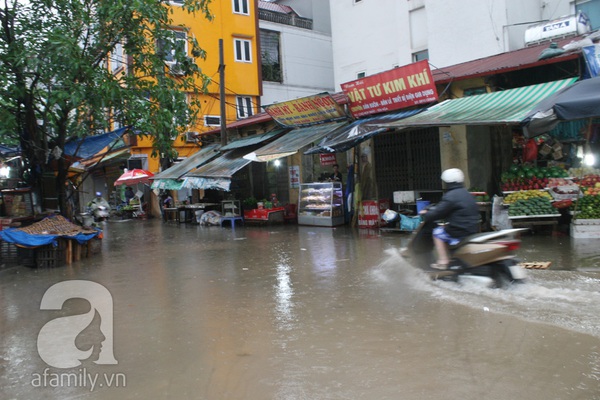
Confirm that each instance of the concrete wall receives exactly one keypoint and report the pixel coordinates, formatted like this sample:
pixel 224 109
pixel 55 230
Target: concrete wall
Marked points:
pixel 317 10
pixel 375 36
pixel 454 149
pixel 307 64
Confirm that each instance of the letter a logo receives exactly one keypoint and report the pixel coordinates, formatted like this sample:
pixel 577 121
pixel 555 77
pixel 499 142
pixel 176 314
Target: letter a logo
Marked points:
pixel 56 340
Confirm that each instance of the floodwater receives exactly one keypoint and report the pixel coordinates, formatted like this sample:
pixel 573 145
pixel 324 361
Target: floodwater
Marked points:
pixel 288 312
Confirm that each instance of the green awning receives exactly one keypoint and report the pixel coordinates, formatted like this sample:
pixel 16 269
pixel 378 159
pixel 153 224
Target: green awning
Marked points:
pixel 168 184
pixel 507 107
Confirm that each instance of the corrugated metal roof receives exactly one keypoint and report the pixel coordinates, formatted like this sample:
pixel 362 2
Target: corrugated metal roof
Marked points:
pixel 222 167
pixel 293 141
pixel 358 131
pixel 280 8
pixel 504 107
pixel 504 62
pixel 204 155
pixel 254 139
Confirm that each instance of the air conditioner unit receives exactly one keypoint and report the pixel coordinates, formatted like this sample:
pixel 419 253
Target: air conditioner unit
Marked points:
pixel 191 137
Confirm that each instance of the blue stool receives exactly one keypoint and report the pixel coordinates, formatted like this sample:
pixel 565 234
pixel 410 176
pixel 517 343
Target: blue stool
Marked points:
pixel 232 220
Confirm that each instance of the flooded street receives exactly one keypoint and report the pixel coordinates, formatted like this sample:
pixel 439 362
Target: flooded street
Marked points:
pixel 288 312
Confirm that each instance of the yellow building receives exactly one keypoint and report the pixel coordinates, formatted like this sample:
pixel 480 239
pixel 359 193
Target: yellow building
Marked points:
pixel 235 21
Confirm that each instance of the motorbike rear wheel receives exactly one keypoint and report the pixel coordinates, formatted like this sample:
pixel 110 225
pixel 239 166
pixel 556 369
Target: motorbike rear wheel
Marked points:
pixel 503 275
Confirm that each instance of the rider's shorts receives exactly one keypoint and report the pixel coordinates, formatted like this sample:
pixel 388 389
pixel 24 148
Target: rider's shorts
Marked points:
pixel 440 233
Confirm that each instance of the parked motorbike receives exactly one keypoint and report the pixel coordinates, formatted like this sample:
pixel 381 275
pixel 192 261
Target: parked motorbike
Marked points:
pixel 487 257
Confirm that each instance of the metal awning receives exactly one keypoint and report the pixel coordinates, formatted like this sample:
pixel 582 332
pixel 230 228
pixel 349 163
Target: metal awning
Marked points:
pixel 255 139
pixel 358 131
pixel 507 107
pixel 293 141
pixel 202 156
pixel 217 174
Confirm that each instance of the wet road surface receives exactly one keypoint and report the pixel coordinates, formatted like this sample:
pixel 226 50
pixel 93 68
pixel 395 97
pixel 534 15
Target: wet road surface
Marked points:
pixel 287 312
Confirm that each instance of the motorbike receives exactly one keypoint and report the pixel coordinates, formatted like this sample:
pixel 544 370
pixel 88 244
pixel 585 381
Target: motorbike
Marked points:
pixel 488 258
pixel 99 208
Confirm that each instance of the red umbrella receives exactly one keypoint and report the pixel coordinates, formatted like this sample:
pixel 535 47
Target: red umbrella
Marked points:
pixel 134 176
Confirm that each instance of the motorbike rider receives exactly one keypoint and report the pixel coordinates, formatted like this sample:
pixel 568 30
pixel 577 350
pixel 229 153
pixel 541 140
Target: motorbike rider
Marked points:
pixel 99 206
pixel 459 210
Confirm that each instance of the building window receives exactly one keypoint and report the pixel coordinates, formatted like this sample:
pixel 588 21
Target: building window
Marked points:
pixel 420 55
pixel 242 50
pixel 117 58
pixel 244 107
pixel 212 120
pixel 361 75
pixel 241 7
pixel 271 62
pixel 169 47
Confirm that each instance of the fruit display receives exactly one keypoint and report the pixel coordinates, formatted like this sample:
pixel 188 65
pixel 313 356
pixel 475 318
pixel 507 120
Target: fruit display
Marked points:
pixel 526 195
pixel 529 177
pixel 480 195
pixel 587 207
pixel 590 181
pixel 531 207
pixel 583 171
pixel 565 192
pixel 560 182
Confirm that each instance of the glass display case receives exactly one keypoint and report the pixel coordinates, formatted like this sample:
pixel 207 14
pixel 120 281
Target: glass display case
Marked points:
pixel 321 204
pixel 16 203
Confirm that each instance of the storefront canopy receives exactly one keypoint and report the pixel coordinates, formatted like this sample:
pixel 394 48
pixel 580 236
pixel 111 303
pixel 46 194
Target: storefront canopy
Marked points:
pixel 293 141
pixel 255 139
pixel 507 107
pixel 202 156
pixel 217 174
pixel 358 131
pixel 578 101
pixel 91 145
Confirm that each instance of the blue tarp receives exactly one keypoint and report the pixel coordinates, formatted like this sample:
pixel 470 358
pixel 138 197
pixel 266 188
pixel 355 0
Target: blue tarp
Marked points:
pixel 89 146
pixel 16 236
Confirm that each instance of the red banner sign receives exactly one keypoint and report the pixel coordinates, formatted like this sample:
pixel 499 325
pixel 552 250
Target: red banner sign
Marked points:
pixel 400 87
pixel 328 159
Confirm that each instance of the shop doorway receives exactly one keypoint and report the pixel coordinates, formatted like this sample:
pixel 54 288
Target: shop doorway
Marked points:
pixel 407 161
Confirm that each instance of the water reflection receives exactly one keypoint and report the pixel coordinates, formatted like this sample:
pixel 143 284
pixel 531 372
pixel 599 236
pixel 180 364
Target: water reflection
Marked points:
pixel 284 293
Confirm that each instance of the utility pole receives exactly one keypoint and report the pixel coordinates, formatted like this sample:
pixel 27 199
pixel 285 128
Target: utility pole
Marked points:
pixel 222 94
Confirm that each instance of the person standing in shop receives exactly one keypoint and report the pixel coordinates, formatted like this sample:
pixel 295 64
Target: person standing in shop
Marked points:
pixel 336 176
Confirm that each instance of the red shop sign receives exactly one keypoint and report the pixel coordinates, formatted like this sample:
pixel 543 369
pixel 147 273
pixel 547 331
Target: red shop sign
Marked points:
pixel 328 159
pixel 397 88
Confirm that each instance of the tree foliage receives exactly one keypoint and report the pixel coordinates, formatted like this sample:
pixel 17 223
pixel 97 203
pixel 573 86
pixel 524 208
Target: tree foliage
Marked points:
pixel 57 79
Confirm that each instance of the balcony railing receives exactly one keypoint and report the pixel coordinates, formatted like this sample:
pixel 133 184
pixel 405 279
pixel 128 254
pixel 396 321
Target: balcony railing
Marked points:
pixel 285 19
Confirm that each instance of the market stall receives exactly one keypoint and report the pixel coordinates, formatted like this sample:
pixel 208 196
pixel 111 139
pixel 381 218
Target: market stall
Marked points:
pixel 51 242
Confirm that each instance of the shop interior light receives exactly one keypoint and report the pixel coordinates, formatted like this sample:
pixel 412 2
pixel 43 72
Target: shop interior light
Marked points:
pixel 4 171
pixel 277 163
pixel 589 159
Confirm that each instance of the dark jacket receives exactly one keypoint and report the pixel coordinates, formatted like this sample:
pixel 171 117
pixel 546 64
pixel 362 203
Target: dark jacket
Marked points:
pixel 459 209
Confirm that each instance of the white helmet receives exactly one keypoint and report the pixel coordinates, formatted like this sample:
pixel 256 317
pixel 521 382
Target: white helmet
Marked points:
pixel 453 175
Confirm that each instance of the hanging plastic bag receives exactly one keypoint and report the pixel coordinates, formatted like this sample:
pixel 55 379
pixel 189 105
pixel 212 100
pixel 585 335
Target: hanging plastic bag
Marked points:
pixel 409 223
pixel 530 151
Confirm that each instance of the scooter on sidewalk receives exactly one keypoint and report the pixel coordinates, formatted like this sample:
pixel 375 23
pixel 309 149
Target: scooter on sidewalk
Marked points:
pixel 488 258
